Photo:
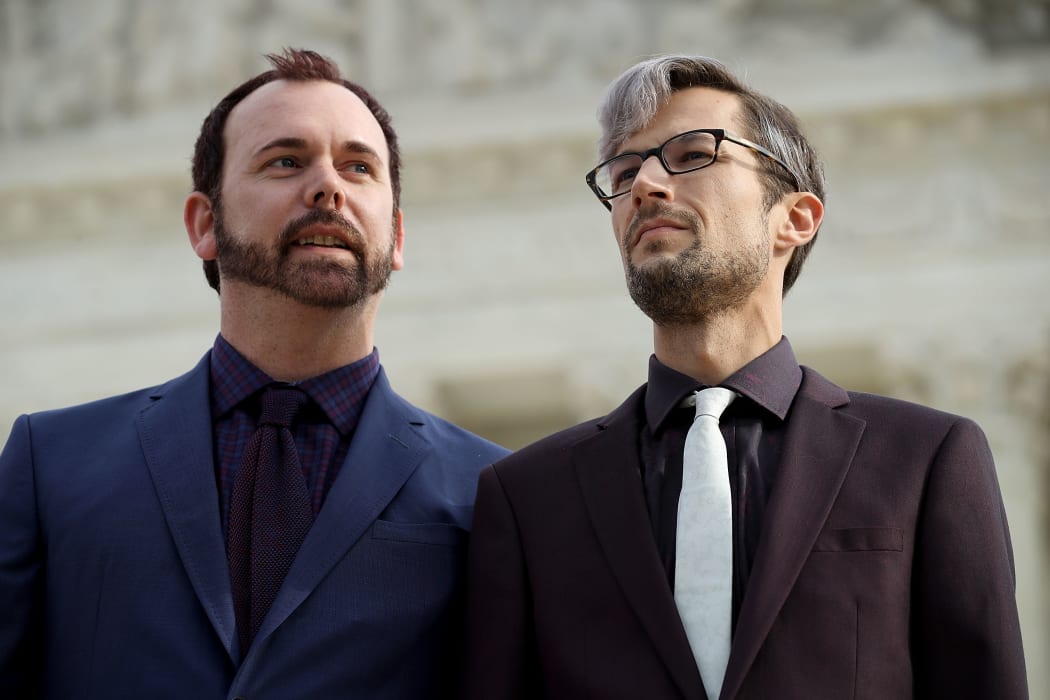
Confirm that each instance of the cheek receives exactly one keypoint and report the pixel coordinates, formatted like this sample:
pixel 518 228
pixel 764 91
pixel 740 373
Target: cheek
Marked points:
pixel 620 221
pixel 374 221
pixel 256 218
pixel 620 248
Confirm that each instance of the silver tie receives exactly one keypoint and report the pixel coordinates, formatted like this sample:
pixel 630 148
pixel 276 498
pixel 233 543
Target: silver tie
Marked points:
pixel 703 582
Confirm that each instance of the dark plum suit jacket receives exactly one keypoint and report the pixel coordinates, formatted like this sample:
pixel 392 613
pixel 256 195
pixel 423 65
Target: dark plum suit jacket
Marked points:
pixel 884 569
pixel 113 574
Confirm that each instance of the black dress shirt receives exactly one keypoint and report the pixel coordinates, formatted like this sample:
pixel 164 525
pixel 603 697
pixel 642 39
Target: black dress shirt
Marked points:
pixel 753 427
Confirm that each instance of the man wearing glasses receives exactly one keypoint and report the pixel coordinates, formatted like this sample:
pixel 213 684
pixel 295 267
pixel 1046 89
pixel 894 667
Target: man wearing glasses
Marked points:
pixel 739 527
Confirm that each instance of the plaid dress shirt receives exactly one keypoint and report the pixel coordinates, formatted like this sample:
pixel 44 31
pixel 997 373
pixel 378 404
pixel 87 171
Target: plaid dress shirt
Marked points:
pixel 322 432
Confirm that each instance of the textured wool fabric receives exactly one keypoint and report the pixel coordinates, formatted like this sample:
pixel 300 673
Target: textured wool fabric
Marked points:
pixel 270 511
pixel 322 433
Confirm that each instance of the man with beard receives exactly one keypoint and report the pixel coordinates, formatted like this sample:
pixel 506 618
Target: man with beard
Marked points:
pixel 740 527
pixel 276 523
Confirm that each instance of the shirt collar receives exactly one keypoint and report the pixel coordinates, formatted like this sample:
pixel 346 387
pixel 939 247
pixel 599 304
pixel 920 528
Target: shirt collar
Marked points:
pixel 771 381
pixel 340 392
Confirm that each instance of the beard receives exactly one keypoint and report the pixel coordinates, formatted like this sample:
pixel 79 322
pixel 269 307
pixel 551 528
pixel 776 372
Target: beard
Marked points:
pixel 328 284
pixel 697 284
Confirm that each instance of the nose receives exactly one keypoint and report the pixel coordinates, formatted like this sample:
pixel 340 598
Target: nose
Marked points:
pixel 326 189
pixel 651 182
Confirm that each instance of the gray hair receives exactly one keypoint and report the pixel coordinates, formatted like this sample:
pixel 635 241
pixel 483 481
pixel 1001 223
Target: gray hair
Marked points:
pixel 634 98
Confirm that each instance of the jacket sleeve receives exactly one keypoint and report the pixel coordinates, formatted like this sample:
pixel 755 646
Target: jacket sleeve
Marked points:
pixel 966 633
pixel 21 570
pixel 501 651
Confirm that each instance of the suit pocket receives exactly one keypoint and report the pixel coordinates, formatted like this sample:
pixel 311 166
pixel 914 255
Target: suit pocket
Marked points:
pixel 418 533
pixel 861 539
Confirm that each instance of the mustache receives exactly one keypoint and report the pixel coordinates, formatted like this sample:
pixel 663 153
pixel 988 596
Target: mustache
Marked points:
pixel 329 217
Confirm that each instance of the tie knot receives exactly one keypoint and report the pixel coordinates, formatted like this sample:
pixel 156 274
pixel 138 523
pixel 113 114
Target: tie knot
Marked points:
pixel 280 405
pixel 713 402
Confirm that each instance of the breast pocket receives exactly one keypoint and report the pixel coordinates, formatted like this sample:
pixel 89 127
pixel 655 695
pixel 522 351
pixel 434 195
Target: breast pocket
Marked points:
pixel 404 575
pixel 860 539
pixel 418 533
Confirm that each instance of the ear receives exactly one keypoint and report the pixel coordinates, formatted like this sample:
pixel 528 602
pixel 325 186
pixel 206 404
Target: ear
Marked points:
pixel 397 260
pixel 805 211
pixel 199 218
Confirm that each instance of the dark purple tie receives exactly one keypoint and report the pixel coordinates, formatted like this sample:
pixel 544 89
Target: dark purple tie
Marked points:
pixel 270 511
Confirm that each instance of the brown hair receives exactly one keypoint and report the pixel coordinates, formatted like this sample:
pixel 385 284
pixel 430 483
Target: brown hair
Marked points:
pixel 293 64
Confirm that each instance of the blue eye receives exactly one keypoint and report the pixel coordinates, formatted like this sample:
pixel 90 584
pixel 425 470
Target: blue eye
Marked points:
pixel 284 162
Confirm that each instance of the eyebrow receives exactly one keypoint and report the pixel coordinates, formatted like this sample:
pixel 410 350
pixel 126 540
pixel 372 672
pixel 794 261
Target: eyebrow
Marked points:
pixel 299 144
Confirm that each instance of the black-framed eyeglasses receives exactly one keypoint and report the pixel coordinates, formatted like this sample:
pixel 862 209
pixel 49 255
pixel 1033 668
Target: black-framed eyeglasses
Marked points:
pixel 684 153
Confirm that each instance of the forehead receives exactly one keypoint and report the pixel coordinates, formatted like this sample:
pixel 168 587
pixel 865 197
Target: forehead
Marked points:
pixel 687 109
pixel 317 111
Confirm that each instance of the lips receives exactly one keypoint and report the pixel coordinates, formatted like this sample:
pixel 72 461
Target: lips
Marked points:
pixel 640 227
pixel 324 229
pixel 326 241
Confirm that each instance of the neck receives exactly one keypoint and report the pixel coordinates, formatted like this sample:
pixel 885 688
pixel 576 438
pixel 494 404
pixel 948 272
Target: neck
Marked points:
pixel 713 349
pixel 290 341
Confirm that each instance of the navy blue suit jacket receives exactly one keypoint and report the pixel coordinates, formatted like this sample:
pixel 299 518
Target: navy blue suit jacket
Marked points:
pixel 113 573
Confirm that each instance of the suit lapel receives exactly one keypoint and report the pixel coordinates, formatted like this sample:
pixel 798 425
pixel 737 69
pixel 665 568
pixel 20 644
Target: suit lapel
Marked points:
pixel 384 452
pixel 607 466
pixel 818 449
pixel 176 436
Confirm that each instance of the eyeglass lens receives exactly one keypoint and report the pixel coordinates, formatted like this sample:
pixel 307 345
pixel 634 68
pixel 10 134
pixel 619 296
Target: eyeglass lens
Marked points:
pixel 685 152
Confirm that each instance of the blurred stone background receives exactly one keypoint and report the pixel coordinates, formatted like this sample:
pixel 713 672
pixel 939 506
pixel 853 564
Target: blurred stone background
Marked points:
pixel 931 280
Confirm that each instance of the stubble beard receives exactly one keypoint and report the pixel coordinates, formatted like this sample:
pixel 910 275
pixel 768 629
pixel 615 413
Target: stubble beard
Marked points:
pixel 694 286
pixel 321 283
